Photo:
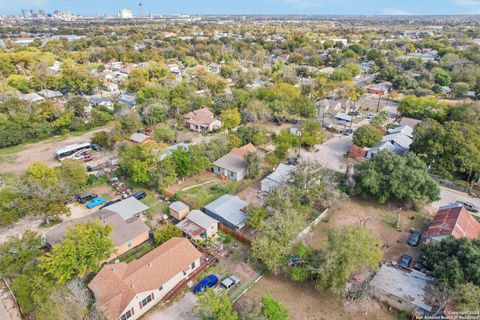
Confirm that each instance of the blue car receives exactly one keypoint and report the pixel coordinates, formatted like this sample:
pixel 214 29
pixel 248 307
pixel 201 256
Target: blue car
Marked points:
pixel 95 202
pixel 208 282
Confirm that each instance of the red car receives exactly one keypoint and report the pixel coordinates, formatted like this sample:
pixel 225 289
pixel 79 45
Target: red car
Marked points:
pixel 87 158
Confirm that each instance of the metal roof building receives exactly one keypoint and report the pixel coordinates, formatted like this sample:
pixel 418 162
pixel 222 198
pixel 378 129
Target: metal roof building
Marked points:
pixel 128 208
pixel 228 210
pixel 403 289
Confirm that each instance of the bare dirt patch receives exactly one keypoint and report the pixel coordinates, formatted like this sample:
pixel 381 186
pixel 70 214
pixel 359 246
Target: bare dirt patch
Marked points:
pixel 304 302
pixel 251 195
pixel 41 151
pixel 379 219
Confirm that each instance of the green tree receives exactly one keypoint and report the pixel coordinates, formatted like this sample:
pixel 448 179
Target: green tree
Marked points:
pixel 341 74
pixel 349 251
pixel 214 306
pixel 163 133
pixel 422 107
pixel 40 172
pixel 367 136
pixel 453 261
pixel 255 216
pixel 85 246
pixel 273 309
pixel 467 297
pixel 20 253
pixel 230 118
pixel 312 133
pixel 73 174
pixel 78 104
pixel 166 173
pixel 449 148
pixel 166 232
pixel 380 118
pixel 103 139
pixel 275 235
pixel 388 176
pixel 253 163
pixel 139 161
pixel 442 77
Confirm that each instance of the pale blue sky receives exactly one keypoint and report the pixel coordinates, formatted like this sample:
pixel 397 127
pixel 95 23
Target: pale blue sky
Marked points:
pixel 345 7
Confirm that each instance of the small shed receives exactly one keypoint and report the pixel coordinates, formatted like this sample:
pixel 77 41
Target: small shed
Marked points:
pixel 179 210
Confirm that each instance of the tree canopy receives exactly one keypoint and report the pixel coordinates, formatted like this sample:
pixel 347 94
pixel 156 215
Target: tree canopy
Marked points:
pixel 388 176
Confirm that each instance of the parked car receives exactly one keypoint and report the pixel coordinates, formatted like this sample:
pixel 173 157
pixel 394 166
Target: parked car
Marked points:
pixel 230 282
pixel 405 260
pixel 110 203
pixel 83 198
pixel 208 282
pixel 87 158
pixel 347 132
pixel 96 147
pixel 414 238
pixel 469 206
pixel 95 202
pixel 139 195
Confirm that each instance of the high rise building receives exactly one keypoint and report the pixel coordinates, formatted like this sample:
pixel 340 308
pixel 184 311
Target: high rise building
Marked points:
pixel 125 14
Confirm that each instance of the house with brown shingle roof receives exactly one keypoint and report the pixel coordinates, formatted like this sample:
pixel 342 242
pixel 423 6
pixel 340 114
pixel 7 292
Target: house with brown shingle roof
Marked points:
pixel 202 120
pixel 128 290
pixel 453 221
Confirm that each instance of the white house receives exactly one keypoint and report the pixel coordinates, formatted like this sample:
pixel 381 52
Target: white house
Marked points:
pixel 128 290
pixel 279 176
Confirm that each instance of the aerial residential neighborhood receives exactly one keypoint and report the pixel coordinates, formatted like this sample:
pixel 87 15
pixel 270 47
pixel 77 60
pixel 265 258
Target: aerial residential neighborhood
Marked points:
pixel 237 160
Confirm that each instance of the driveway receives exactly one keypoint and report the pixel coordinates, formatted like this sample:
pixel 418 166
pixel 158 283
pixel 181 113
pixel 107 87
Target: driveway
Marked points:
pixel 330 153
pixel 448 195
pixel 181 309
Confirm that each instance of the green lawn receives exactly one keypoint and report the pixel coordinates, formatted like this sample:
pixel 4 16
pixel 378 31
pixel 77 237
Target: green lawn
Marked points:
pixel 11 150
pixel 136 252
pixel 198 197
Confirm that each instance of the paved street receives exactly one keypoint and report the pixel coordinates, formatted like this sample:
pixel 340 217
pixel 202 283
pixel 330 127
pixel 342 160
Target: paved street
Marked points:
pixel 330 153
pixel 450 195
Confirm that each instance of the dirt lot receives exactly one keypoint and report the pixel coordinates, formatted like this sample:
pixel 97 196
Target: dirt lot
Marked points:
pixel 379 219
pixel 41 151
pixel 304 302
pixel 251 195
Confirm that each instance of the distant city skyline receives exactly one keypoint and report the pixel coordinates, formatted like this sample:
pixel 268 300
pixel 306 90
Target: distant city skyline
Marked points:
pixel 334 7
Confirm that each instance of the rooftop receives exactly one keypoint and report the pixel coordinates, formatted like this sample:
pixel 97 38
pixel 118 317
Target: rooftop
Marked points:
pixel 127 208
pixel 117 284
pixel 230 208
pixel 455 221
pixel 178 206
pixel 408 285
pixel 122 230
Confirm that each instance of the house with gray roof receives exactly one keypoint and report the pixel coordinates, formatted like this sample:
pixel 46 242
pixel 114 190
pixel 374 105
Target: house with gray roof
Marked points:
pixel 398 141
pixel 233 165
pixel 403 289
pixel 125 234
pixel 31 97
pixel 228 210
pixel 50 94
pixel 128 208
pixel 279 176
pixel 197 225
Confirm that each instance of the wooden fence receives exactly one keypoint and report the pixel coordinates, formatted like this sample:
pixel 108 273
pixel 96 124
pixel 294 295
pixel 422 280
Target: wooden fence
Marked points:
pixel 235 234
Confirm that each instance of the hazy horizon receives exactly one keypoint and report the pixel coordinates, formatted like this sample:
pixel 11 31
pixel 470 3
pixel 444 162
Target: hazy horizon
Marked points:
pixel 251 7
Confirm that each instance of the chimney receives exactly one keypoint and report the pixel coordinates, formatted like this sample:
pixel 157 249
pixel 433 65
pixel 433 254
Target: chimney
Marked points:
pixel 113 269
pixel 132 286
pixel 150 264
